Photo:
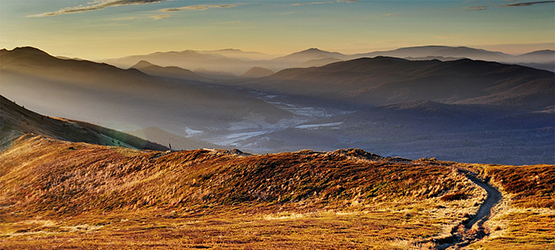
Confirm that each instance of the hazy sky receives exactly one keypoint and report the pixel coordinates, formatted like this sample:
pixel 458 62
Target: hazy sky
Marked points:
pixel 95 29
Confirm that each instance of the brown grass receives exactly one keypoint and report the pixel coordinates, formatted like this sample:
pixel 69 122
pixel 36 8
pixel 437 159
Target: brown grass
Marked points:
pixel 56 194
pixel 526 217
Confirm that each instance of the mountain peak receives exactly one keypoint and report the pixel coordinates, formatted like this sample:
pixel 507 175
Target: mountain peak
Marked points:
pixel 142 64
pixel 313 50
pixel 258 72
pixel 28 50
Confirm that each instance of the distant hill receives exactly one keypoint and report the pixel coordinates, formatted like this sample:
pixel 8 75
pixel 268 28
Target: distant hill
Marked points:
pixel 238 62
pixel 16 121
pixel 239 54
pixel 542 59
pixel 309 54
pixel 257 72
pixel 386 80
pixel 188 59
pixel 443 51
pixel 169 71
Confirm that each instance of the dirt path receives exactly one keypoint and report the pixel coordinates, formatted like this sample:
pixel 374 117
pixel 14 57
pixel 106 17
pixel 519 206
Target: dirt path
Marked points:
pixel 473 229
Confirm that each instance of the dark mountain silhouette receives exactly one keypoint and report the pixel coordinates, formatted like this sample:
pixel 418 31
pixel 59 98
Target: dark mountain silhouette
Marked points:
pixel 306 55
pixel 169 71
pixel 439 51
pixel 257 72
pixel 238 62
pixel 542 59
pixel 31 62
pixel 386 80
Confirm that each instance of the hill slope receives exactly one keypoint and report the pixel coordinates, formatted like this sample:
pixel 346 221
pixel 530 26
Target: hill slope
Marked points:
pixel 169 71
pixel 257 72
pixel 65 193
pixel 385 80
pixel 16 121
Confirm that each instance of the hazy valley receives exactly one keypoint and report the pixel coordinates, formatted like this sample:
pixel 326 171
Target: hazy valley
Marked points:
pixel 461 110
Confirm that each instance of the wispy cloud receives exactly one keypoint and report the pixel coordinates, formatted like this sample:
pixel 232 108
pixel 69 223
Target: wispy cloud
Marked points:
pixel 325 2
pixel 158 17
pixel 311 3
pixel 199 7
pixel 476 8
pixel 524 4
pixel 96 5
pixel 520 4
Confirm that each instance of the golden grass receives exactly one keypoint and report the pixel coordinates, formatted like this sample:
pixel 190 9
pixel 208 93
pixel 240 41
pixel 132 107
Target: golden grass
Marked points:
pixel 525 219
pixel 56 194
pixel 233 227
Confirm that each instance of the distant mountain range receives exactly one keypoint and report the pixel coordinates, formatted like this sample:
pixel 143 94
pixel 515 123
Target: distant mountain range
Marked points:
pixel 463 110
pixel 238 62
pixel 387 80
pixel 169 71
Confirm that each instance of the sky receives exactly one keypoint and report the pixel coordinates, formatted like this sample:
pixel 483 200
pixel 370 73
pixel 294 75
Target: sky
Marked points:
pixel 100 29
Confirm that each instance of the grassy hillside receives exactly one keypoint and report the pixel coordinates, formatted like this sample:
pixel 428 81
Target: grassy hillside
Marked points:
pixel 63 194
pixel 131 198
pixel 526 217
pixel 15 121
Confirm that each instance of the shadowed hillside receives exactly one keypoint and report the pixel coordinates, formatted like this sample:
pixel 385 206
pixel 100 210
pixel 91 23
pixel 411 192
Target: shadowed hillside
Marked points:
pixel 16 121
pixel 385 80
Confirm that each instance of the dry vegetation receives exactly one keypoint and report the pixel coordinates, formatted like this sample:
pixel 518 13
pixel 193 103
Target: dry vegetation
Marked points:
pixel 57 194
pixel 62 194
pixel 526 217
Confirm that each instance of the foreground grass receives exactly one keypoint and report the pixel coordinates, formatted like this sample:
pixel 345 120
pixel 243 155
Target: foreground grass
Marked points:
pixel 525 219
pixel 384 226
pixel 56 194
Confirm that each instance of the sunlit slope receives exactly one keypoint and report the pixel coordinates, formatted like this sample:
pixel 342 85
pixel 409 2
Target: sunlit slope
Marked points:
pixel 65 193
pixel 525 219
pixel 44 176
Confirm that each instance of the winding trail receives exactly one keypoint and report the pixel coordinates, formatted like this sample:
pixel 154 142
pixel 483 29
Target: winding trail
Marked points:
pixel 472 230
